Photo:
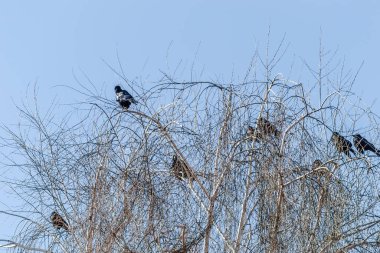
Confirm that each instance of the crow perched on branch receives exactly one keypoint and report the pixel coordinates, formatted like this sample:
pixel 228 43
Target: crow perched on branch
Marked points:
pixel 124 98
pixel 179 168
pixel 267 128
pixel 316 164
pixel 362 144
pixel 342 144
pixel 58 222
pixel 253 133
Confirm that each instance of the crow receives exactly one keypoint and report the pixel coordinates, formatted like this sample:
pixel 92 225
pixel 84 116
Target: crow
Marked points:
pixel 267 128
pixel 124 98
pixel 253 133
pixel 362 144
pixel 179 168
pixel 58 222
pixel 342 144
pixel 316 164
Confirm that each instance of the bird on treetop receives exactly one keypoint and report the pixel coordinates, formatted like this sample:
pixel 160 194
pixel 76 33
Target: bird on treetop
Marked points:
pixel 124 98
pixel 362 144
pixel 342 144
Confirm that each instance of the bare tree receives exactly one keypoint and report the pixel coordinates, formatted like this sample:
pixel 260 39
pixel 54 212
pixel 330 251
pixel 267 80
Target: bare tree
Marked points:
pixel 283 187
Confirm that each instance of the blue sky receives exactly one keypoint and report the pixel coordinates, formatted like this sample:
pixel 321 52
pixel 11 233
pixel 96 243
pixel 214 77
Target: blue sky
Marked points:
pixel 47 41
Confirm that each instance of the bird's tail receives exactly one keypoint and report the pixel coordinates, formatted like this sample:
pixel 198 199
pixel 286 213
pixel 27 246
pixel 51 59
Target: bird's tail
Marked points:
pixel 377 152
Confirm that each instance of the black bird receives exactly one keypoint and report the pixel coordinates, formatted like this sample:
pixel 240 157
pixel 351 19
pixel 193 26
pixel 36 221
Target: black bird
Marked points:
pixel 316 164
pixel 267 128
pixel 58 222
pixel 362 144
pixel 124 98
pixel 342 144
pixel 253 133
pixel 179 168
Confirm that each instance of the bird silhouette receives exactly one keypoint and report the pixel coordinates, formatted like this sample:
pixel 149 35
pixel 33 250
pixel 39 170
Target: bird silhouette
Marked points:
pixel 58 222
pixel 124 98
pixel 253 133
pixel 362 144
pixel 267 128
pixel 180 169
pixel 342 144
pixel 316 164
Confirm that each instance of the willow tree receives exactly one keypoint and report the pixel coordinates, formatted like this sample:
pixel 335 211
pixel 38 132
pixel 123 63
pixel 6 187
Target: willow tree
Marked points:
pixel 281 187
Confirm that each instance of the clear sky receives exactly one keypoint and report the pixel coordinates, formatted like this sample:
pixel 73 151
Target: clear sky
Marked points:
pixel 47 41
